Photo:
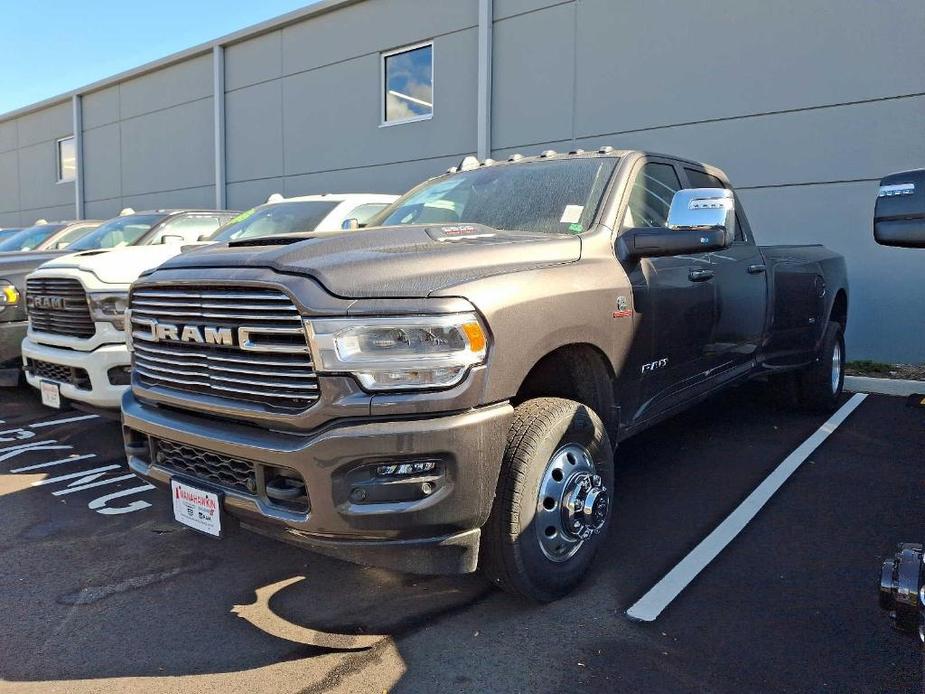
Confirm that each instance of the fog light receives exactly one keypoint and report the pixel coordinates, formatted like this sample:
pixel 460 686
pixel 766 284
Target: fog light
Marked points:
pixel 405 469
pixel 120 375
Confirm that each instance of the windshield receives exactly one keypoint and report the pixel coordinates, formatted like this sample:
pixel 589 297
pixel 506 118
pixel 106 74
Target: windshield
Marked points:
pixel 550 197
pixel 118 232
pixel 31 238
pixel 7 233
pixel 277 218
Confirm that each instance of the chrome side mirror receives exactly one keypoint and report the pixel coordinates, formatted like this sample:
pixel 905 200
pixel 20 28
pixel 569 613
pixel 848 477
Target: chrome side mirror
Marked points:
pixel 899 215
pixel 350 224
pixel 700 220
pixel 702 208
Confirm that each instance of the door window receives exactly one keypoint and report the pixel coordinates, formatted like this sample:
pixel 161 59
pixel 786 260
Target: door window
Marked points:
pixel 650 197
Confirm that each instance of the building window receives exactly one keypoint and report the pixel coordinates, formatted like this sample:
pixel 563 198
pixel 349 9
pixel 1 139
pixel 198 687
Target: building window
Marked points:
pixel 67 160
pixel 408 84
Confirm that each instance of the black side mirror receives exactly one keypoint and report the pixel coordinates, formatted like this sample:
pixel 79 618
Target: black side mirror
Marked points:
pixel 699 220
pixel 899 215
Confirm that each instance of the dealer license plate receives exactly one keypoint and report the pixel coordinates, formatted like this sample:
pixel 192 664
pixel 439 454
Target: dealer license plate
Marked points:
pixel 197 508
pixel 51 394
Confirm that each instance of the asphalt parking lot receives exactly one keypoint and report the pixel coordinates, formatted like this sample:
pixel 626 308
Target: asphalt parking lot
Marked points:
pixel 101 591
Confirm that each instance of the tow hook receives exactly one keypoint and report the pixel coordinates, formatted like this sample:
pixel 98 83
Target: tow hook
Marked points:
pixel 902 589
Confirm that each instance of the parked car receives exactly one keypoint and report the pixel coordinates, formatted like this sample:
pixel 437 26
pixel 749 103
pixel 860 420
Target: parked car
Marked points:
pixel 444 389
pixel 84 358
pixel 71 330
pixel 47 236
pixel 7 232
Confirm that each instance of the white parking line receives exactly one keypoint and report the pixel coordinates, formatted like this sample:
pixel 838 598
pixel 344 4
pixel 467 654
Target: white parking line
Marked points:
pixel 650 605
pixel 39 425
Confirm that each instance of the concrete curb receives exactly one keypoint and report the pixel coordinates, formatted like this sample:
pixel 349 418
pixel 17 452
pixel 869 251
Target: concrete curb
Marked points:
pixel 883 386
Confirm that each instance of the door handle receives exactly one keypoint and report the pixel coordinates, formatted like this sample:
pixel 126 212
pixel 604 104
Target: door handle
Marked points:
pixel 756 269
pixel 700 275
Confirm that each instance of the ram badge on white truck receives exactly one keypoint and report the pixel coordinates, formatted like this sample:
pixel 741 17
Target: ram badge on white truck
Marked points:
pixel 75 347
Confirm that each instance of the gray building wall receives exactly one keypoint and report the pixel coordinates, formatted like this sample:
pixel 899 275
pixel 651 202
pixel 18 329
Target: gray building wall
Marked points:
pixel 28 167
pixel 302 104
pixel 805 104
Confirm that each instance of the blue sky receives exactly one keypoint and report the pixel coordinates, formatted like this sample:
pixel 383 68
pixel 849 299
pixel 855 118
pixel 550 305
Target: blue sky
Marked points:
pixel 50 47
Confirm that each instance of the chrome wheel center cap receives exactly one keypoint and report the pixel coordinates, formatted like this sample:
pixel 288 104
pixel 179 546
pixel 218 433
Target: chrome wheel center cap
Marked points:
pixel 585 508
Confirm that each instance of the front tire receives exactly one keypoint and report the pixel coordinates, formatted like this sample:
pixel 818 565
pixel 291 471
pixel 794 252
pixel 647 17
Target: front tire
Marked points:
pixel 820 384
pixel 552 508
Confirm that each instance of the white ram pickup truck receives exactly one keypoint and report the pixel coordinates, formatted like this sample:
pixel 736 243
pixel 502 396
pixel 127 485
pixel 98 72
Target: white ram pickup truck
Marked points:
pixel 75 347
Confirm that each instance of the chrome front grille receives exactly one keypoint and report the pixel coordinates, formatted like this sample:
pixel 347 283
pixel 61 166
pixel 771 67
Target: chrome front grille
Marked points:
pixel 58 305
pixel 242 344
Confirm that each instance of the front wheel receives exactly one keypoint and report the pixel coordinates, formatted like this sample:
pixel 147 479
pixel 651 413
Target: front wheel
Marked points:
pixel 820 384
pixel 552 509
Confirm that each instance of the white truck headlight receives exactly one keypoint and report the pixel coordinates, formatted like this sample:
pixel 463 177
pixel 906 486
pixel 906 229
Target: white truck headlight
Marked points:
pixel 399 353
pixel 9 295
pixel 108 307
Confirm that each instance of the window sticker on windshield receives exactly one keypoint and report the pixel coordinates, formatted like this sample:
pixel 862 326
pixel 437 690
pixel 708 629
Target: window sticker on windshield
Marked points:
pixel 576 228
pixel 244 215
pixel 571 214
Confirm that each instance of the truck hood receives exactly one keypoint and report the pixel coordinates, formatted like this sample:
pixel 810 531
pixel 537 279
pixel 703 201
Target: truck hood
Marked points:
pixel 401 261
pixel 118 265
pixel 19 262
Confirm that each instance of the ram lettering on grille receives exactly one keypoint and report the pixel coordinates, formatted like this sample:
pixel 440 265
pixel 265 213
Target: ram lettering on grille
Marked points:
pixel 244 344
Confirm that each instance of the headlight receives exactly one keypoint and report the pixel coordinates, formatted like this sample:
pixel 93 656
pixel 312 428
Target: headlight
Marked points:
pixel 401 353
pixel 108 307
pixel 9 295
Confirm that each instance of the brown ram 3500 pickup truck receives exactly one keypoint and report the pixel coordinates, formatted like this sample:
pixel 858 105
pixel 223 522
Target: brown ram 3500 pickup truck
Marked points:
pixel 446 390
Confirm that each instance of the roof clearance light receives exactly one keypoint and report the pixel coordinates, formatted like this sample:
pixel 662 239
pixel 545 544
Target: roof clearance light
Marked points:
pixel 897 189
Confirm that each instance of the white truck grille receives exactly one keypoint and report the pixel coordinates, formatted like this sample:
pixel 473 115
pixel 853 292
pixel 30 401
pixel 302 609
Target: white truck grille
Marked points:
pixel 58 305
pixel 243 344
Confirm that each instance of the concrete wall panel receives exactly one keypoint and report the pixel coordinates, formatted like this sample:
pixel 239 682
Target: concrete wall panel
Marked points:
pixel 533 76
pixel 248 194
pixel 177 84
pixel 51 213
pixel 508 8
pixel 371 26
pixel 391 178
pixel 37 179
pixel 103 209
pixel 9 138
pixel 254 131
pixel 9 182
pixel 644 63
pixel 253 61
pixel 101 108
pixel 168 150
pixel 9 219
pixel 860 141
pixel 102 171
pixel 202 197
pixel 46 125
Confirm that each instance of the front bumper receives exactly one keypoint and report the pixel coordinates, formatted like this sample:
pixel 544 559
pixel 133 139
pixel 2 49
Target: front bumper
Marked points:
pixel 97 364
pixel 352 513
pixel 11 337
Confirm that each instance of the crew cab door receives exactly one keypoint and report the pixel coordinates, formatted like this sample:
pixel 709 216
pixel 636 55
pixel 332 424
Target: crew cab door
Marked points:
pixel 674 301
pixel 739 281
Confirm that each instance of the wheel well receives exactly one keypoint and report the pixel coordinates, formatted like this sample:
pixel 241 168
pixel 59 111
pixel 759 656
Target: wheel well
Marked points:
pixel 839 312
pixel 579 372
